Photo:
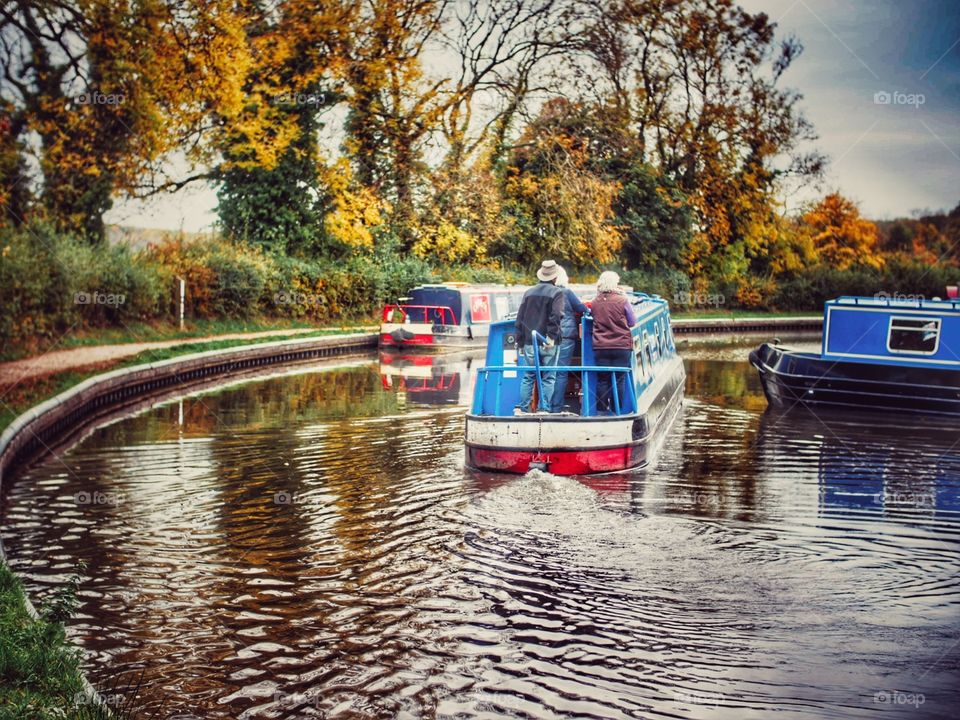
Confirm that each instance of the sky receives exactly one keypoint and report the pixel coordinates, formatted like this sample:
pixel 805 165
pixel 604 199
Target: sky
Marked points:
pixel 881 84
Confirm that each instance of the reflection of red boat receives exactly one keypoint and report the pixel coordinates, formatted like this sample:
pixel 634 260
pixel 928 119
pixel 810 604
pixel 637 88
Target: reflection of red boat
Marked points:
pixel 429 379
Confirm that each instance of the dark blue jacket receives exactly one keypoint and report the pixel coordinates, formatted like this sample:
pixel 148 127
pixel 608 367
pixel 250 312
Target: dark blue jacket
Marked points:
pixel 541 309
pixel 571 305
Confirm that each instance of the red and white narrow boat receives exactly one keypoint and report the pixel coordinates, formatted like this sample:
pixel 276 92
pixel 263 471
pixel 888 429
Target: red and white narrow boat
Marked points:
pixel 582 442
pixel 448 315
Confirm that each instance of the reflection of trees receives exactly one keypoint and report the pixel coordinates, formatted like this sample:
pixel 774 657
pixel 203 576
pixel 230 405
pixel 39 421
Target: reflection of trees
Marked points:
pixel 718 470
pixel 202 563
pixel 327 564
pixel 731 384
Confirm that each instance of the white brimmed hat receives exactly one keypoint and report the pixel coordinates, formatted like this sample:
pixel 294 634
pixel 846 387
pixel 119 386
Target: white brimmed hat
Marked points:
pixel 548 270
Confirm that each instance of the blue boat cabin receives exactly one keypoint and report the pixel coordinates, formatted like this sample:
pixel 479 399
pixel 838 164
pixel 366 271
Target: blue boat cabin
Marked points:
pixel 923 333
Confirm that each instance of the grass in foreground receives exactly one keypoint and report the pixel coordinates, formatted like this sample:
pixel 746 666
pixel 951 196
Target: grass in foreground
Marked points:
pixel 40 669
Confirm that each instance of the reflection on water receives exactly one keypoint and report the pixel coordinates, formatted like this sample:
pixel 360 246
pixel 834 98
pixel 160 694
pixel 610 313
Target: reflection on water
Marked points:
pixel 425 379
pixel 311 546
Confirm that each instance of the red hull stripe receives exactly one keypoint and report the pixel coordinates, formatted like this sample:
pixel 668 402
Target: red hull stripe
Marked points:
pixel 386 339
pixel 567 462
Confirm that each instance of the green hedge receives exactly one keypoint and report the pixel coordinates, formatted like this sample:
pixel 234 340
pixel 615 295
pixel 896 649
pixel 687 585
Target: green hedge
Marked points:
pixel 51 283
pixel 810 290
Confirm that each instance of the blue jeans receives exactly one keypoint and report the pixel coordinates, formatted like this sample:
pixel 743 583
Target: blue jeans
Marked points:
pixel 548 357
pixel 611 358
pixel 567 346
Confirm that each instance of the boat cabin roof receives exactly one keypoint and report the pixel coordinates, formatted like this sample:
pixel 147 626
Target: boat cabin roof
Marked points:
pixel 904 302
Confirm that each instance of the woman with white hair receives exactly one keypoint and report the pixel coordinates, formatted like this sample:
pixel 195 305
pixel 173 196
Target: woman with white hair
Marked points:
pixel 612 340
pixel 569 335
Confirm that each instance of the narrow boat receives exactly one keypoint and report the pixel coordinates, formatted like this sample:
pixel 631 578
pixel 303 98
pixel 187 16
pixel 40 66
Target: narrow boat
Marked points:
pixel 877 354
pixel 582 441
pixel 451 315
pixel 447 315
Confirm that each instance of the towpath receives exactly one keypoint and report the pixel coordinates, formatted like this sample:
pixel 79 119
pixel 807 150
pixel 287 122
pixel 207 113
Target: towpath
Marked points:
pixel 55 361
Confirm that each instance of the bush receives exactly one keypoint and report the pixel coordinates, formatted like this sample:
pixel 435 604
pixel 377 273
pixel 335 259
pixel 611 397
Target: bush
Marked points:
pixel 222 278
pixel 51 282
pixel 899 277
pixel 669 284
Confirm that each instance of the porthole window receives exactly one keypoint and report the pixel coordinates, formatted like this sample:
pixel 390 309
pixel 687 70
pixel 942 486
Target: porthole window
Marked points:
pixel 914 336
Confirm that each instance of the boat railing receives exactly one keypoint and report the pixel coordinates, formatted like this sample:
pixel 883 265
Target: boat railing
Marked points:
pixel 896 300
pixel 497 373
pixel 437 314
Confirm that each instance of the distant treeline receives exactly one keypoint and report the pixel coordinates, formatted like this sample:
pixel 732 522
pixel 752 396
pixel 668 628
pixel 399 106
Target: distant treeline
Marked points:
pixel 470 140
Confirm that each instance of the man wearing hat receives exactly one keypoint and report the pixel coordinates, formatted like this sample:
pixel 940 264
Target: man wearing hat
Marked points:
pixel 541 310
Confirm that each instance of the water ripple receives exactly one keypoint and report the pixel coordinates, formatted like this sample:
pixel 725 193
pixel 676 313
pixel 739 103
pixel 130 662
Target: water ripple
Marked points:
pixel 311 546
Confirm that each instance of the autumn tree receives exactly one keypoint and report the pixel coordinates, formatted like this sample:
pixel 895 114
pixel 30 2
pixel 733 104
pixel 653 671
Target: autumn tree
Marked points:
pixel 697 82
pixel 560 204
pixel 840 236
pixel 280 201
pixel 15 195
pixel 398 109
pixel 101 92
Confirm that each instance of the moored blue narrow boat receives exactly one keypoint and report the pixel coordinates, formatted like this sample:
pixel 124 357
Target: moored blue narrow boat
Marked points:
pixel 877 354
pixel 583 441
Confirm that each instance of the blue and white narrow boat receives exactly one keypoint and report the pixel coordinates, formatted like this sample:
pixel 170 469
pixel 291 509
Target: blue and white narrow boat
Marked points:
pixel 877 354
pixel 583 442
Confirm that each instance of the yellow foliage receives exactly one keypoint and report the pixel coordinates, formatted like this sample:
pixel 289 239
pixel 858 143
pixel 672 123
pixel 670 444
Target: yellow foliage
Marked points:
pixel 753 292
pixel 356 209
pixel 449 244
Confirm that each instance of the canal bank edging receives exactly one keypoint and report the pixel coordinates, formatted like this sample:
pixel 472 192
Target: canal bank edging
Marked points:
pixel 55 421
pixel 691 326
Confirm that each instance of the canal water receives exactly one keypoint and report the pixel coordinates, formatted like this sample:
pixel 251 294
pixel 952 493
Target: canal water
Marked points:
pixel 310 545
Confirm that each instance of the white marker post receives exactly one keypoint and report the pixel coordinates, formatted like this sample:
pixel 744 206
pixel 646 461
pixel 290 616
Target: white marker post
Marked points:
pixel 183 296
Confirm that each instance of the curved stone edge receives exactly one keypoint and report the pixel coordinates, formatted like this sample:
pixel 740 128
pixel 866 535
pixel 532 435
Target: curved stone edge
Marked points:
pixel 83 404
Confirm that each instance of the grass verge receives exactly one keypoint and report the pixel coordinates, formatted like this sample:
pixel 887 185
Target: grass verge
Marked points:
pixel 151 332
pixel 40 669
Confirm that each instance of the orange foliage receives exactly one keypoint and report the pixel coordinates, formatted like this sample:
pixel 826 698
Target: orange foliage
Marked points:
pixel 840 236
